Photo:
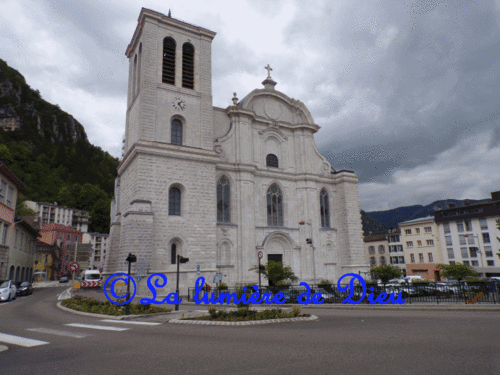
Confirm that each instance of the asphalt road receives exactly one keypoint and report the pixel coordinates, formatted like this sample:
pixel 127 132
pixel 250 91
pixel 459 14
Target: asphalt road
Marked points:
pixel 340 342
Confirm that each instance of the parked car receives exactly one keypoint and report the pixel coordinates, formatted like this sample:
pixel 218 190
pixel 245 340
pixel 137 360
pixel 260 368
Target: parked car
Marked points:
pixel 64 279
pixel 7 290
pixel 24 288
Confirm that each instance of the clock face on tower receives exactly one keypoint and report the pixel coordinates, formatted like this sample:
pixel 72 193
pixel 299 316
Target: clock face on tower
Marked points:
pixel 178 104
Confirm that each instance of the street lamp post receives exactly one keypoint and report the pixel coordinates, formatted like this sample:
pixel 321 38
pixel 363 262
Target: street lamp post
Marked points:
pixel 180 259
pixel 130 259
pixel 310 241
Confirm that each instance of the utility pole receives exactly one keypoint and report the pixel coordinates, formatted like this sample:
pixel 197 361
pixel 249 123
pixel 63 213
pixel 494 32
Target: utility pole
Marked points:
pixel 74 257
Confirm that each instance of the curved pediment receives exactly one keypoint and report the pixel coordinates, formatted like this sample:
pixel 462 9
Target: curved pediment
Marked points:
pixel 276 106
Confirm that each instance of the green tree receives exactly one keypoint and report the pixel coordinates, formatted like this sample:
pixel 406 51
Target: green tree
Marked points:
pixel 21 208
pixel 385 272
pixel 275 271
pixel 65 197
pixel 456 271
pixel 100 216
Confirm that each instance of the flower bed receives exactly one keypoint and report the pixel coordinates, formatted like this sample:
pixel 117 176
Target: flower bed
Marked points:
pixel 245 314
pixel 91 305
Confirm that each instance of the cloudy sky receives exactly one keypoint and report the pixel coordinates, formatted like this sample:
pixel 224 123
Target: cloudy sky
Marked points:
pixel 407 93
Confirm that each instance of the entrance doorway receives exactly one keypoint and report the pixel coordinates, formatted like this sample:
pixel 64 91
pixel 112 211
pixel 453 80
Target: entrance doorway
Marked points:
pixel 275 258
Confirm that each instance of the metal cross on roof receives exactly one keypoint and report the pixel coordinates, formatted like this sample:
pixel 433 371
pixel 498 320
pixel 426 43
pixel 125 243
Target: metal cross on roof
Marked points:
pixel 268 70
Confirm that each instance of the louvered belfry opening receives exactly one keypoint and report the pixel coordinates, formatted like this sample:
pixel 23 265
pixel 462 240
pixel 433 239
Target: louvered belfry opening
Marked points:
pixel 188 66
pixel 168 72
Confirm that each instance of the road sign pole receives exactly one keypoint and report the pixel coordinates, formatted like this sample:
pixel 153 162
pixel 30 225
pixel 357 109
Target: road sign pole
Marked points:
pixel 260 287
pixel 177 283
pixel 127 306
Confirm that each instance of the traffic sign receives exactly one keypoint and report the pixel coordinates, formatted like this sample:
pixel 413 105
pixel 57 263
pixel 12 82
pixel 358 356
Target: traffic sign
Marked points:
pixel 198 268
pixel 141 268
pixel 74 267
pixel 260 254
pixel 218 277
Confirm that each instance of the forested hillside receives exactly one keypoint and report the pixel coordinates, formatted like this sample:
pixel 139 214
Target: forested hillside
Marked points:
pixel 391 218
pixel 49 151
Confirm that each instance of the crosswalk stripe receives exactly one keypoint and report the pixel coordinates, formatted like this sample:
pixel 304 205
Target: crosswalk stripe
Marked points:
pixel 91 326
pixel 22 341
pixel 130 322
pixel 58 332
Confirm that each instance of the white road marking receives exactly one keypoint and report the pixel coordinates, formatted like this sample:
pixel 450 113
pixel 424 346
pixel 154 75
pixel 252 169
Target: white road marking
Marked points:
pixel 58 332
pixel 91 326
pixel 65 295
pixel 130 322
pixel 22 341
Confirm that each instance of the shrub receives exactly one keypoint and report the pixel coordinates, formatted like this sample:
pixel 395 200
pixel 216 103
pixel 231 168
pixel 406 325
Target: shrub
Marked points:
pixel 92 305
pixel 296 311
pixel 240 292
pixel 325 283
pixel 222 286
pixel 212 311
pixel 282 283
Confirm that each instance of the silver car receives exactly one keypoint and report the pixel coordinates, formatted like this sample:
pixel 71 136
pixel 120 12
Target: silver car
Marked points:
pixel 7 291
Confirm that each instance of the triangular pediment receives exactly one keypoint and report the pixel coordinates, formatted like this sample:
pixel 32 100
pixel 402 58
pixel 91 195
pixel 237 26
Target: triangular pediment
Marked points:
pixel 276 106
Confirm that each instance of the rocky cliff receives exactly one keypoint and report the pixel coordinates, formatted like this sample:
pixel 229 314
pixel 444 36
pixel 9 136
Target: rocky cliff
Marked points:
pixel 22 109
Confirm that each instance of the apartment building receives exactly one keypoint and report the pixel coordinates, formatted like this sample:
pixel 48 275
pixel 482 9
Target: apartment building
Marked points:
pixel 99 242
pixel 469 233
pixel 376 249
pixel 396 252
pixel 422 250
pixel 52 213
pixel 22 249
pixel 10 186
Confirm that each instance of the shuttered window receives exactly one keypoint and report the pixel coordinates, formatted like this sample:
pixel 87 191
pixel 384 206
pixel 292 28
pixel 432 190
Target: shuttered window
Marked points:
pixel 168 72
pixel 188 66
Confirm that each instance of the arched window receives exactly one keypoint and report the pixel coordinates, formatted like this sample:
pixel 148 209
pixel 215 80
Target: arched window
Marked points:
pixel 272 160
pixel 168 71
pixel 134 76
pixel 324 209
pixel 223 200
pixel 18 271
pixel 274 207
pixel 139 69
pixel 173 254
pixel 22 274
pixel 174 201
pixel 11 273
pixel 176 132
pixel 188 66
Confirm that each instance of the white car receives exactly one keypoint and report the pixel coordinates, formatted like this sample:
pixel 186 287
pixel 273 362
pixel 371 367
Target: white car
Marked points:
pixel 8 291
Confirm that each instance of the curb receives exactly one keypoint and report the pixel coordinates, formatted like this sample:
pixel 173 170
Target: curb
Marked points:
pixel 119 317
pixel 406 306
pixel 248 323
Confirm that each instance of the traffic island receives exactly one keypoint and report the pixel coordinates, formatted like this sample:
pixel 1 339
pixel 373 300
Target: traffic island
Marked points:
pixel 91 305
pixel 244 316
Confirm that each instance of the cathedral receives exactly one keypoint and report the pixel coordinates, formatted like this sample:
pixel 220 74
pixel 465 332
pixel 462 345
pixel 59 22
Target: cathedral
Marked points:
pixel 222 186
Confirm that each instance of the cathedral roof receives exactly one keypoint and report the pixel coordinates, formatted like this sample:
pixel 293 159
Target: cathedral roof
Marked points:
pixel 275 105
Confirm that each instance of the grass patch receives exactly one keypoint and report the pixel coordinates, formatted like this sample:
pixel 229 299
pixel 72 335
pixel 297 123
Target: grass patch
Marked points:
pixel 245 314
pixel 91 305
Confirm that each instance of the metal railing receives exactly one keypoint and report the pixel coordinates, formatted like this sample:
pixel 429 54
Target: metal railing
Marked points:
pixel 431 292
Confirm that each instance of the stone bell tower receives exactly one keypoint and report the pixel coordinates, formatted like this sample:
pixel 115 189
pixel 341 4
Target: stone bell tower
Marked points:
pixel 164 199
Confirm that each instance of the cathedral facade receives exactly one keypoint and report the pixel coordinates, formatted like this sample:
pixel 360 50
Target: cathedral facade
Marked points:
pixel 221 185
